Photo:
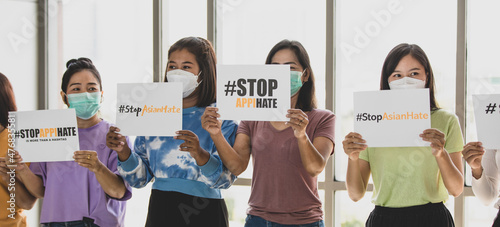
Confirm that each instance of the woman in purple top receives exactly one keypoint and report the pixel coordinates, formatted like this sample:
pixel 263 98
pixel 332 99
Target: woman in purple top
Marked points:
pixel 87 191
pixel 287 156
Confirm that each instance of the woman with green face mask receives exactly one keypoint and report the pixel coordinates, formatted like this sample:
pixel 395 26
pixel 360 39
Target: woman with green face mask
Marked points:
pixel 288 156
pixel 87 191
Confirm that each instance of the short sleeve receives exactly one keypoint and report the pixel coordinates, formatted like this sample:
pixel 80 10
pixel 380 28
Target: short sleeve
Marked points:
pixel 454 140
pixel 364 155
pixel 244 128
pixel 39 169
pixel 326 127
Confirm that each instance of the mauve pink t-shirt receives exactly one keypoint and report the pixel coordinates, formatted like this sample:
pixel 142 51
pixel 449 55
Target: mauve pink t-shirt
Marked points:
pixel 282 190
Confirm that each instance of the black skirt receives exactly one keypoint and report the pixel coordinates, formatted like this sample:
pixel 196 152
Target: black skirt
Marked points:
pixel 178 209
pixel 496 223
pixel 428 215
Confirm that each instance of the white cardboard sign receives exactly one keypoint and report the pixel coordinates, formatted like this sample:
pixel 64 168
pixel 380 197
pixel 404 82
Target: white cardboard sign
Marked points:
pixel 392 118
pixel 45 135
pixel 253 92
pixel 149 109
pixel 487 115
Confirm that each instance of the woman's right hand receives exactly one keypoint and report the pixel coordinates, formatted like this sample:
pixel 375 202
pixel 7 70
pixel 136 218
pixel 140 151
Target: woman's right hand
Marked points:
pixel 473 153
pixel 117 142
pixel 210 120
pixel 353 145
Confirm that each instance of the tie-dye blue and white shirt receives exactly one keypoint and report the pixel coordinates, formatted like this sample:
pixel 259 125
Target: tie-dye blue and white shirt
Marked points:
pixel 159 158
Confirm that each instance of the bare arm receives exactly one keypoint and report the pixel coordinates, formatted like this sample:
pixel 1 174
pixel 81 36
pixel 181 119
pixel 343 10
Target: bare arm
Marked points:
pixel 450 165
pixel 111 183
pixel 24 199
pixel 314 154
pixel 234 158
pixel 358 170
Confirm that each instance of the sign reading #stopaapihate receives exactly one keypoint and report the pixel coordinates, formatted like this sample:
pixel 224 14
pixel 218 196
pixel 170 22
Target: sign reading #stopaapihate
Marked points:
pixel 46 135
pixel 149 109
pixel 392 118
pixel 253 92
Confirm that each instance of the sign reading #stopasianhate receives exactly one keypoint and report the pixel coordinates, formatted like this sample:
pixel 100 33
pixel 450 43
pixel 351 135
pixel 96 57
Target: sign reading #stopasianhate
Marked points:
pixel 45 135
pixel 149 109
pixel 392 118
pixel 253 92
pixel 487 115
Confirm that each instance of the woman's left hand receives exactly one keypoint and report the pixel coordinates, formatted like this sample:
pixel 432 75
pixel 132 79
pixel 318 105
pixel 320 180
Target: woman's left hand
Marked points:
pixel 298 121
pixel 436 138
pixel 88 159
pixel 191 142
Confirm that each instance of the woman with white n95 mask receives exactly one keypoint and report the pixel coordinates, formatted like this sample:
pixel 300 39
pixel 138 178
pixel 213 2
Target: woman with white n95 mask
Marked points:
pixel 187 170
pixel 410 183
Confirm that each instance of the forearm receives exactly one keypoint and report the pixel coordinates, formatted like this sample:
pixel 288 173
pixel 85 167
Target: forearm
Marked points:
pixel 201 157
pixel 312 160
pixel 230 158
pixel 452 177
pixel 111 183
pixel 24 199
pixel 32 182
pixel 356 186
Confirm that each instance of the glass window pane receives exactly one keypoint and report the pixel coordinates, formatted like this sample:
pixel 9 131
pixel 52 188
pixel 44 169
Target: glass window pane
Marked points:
pixel 182 18
pixel 477 214
pixel 18 61
pixel 120 46
pixel 365 35
pixel 236 198
pixel 483 74
pixel 244 41
pixel 350 213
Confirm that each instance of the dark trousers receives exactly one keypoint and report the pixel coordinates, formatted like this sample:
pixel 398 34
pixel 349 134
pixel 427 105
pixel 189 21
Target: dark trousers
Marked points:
pixel 496 223
pixel 178 209
pixel 428 215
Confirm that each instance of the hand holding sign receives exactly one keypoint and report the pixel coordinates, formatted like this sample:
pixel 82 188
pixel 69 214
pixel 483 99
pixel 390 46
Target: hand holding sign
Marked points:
pixel 192 145
pixel 473 153
pixel 210 120
pixel 89 160
pixel 353 145
pixel 117 142
pixel 14 160
pixel 437 140
pixel 298 121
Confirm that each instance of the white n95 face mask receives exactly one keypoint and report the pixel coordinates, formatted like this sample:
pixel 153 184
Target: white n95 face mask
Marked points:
pixel 406 83
pixel 189 80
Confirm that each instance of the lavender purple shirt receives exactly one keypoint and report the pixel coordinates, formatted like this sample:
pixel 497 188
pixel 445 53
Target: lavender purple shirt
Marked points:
pixel 73 192
pixel 282 190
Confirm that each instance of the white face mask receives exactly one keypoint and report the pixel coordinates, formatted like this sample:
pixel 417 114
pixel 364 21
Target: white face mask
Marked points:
pixel 406 83
pixel 189 80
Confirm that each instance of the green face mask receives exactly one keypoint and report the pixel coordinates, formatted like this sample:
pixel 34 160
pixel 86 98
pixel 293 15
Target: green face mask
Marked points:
pixel 295 82
pixel 85 104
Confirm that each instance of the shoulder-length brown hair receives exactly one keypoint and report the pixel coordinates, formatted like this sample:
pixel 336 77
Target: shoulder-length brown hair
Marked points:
pixel 205 57
pixel 7 100
pixel 392 60
pixel 307 94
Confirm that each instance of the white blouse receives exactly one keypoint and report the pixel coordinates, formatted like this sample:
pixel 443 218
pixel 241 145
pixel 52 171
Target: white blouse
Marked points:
pixel 486 188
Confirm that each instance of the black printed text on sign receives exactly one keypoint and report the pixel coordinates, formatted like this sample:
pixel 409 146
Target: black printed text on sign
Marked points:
pixel 45 135
pixel 487 115
pixel 253 92
pixel 149 109
pixel 392 118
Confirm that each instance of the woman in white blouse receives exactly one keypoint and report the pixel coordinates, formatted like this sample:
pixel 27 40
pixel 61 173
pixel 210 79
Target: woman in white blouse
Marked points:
pixel 484 164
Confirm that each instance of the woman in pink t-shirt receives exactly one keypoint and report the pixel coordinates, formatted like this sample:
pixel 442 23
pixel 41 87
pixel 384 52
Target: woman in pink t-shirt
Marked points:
pixel 287 156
